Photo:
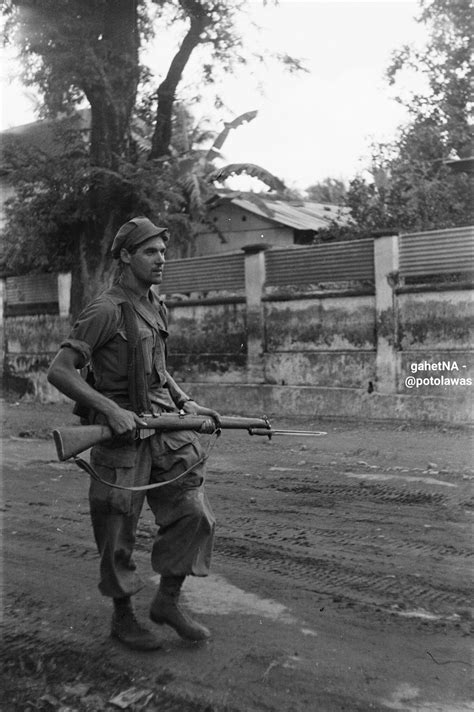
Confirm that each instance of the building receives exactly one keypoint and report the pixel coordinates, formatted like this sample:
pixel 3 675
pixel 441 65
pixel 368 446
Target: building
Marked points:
pixel 236 220
pixel 39 138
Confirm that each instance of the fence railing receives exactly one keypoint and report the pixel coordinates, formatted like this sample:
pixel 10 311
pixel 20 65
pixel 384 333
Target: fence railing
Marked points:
pixel 422 253
pixel 197 274
pixel 343 261
pixel 437 252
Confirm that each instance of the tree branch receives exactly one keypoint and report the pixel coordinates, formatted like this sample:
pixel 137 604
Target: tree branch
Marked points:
pixel 167 90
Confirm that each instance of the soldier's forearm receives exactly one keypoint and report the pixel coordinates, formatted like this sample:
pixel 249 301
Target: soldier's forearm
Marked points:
pixel 177 394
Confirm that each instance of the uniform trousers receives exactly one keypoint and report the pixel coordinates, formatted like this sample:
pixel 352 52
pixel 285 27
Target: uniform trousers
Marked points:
pixel 184 539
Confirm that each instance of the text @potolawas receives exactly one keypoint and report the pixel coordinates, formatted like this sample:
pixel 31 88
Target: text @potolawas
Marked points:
pixel 437 373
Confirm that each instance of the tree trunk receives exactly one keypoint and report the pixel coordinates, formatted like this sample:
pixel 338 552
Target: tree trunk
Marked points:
pixel 111 86
pixel 167 90
pixel 111 90
pixel 94 269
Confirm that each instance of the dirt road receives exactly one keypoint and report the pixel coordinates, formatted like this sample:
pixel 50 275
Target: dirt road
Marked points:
pixel 342 578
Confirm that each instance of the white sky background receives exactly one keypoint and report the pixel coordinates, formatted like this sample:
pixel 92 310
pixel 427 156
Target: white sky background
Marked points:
pixel 309 126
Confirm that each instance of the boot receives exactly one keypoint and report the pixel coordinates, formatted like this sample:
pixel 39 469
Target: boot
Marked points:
pixel 128 630
pixel 165 609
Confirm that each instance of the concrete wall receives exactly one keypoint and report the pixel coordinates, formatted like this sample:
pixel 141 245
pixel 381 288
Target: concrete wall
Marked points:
pixel 435 339
pixel 323 341
pixel 30 344
pixel 352 350
pixel 320 358
pixel 30 340
pixel 339 352
pixel 208 341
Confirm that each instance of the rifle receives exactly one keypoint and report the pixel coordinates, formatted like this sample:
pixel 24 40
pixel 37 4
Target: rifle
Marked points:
pixel 74 440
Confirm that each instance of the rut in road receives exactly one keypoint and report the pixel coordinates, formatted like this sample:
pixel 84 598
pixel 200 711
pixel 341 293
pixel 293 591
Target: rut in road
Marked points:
pixel 323 536
pixel 289 534
pixel 361 587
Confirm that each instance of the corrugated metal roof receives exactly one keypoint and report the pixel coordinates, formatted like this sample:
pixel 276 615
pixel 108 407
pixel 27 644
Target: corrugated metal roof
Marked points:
pixel 300 215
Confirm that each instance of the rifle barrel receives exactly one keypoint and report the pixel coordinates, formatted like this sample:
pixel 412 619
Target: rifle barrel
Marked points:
pixel 296 433
pixel 172 421
pixel 311 433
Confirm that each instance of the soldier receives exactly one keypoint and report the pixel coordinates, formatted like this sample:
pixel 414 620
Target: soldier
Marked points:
pixel 122 336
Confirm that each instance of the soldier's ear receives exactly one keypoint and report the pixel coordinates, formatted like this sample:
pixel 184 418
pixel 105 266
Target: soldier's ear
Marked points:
pixel 125 256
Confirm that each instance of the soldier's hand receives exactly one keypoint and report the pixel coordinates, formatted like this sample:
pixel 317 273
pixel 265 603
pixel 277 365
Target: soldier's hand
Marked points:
pixel 124 422
pixel 193 408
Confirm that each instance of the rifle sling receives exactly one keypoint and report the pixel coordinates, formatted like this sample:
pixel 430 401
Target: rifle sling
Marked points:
pixel 87 467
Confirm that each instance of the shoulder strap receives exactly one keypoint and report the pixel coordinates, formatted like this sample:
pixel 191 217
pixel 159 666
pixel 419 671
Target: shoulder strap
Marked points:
pixel 163 311
pixel 137 384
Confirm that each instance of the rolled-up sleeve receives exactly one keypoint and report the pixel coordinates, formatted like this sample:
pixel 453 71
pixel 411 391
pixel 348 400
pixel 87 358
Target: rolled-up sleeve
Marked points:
pixel 82 348
pixel 95 326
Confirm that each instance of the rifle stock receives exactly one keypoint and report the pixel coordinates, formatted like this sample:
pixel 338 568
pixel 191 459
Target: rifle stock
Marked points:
pixel 74 440
pixel 71 441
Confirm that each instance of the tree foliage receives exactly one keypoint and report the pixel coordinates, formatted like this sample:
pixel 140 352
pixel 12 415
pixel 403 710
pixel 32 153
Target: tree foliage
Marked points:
pixel 411 186
pixel 446 65
pixel 80 51
pixel 331 190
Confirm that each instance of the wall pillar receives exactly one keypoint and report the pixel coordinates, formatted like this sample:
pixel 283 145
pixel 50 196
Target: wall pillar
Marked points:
pixel 64 293
pixel 254 286
pixel 386 277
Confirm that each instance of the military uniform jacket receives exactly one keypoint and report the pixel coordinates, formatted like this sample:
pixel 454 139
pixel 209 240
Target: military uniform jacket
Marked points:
pixel 100 337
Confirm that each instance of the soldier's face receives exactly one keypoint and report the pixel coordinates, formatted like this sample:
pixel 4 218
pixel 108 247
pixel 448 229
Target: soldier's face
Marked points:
pixel 147 262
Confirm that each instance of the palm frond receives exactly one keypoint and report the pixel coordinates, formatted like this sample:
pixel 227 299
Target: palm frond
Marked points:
pixel 195 193
pixel 229 125
pixel 251 169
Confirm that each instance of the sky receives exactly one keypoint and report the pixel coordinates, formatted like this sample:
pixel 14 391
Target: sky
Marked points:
pixel 309 126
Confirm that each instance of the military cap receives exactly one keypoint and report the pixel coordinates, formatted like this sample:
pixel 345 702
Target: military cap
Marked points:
pixel 134 232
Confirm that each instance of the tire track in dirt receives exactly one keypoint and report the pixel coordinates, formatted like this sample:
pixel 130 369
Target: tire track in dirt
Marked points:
pixel 332 578
pixel 318 495
pixel 286 533
pixel 346 555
